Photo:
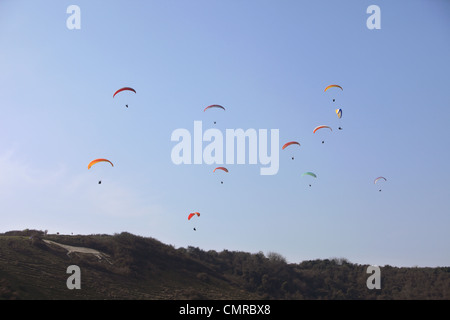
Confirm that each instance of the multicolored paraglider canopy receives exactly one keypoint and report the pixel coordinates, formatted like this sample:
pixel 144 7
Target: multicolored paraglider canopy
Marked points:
pixel 213 106
pixel 333 86
pixel 289 143
pixel 193 214
pixel 321 127
pixel 379 178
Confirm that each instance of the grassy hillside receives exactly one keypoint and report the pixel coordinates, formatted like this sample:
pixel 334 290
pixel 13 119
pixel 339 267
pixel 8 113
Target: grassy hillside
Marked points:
pixel 144 268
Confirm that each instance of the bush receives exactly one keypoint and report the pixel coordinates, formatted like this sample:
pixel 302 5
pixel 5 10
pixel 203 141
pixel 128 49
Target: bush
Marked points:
pixel 276 257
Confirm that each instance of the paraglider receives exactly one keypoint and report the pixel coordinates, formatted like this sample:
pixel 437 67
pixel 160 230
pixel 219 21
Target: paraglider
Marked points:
pixel 288 144
pixel 193 214
pixel 321 127
pixel 339 114
pixel 221 168
pixel 333 86
pixel 309 174
pixel 124 89
pixel 214 106
pixel 97 161
pixel 377 179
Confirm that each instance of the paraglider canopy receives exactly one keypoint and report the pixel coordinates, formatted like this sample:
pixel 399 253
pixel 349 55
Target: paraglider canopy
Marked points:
pixel 379 178
pixel 97 161
pixel 223 169
pixel 321 127
pixel 213 106
pixel 124 89
pixel 193 214
pixel 339 113
pixel 289 143
pixel 333 86
pixel 309 174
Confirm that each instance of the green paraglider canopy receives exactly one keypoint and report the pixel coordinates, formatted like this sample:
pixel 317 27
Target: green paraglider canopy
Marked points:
pixel 309 174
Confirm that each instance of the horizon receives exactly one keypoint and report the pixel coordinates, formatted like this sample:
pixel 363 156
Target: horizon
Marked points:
pixel 266 254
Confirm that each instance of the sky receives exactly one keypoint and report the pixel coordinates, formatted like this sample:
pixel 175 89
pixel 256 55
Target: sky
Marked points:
pixel 267 63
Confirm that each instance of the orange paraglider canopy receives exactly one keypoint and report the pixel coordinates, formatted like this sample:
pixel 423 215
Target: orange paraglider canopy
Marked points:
pixel 289 143
pixel 321 127
pixel 98 160
pixel 333 86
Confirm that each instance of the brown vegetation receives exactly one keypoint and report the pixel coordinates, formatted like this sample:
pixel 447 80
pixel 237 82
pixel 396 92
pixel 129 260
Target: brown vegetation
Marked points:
pixel 144 268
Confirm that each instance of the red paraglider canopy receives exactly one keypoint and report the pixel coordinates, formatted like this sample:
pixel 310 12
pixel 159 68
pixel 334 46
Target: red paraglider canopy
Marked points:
pixel 213 106
pixel 289 143
pixel 193 214
pixel 123 89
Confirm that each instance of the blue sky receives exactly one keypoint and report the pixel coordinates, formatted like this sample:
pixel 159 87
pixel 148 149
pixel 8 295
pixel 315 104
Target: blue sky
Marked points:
pixel 267 62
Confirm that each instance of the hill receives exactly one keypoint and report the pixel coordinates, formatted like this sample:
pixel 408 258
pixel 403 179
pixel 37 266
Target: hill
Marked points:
pixel 126 266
